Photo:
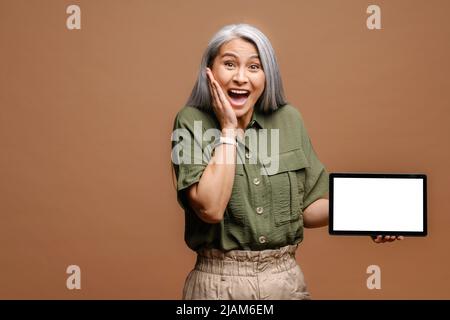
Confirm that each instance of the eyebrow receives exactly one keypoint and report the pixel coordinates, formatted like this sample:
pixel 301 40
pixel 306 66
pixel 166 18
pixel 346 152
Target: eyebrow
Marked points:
pixel 236 56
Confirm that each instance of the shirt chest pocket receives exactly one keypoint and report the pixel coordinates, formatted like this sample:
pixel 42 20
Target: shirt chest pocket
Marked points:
pixel 287 186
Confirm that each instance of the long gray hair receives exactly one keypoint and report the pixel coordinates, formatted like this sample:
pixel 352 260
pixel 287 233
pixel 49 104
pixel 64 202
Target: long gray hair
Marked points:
pixel 273 95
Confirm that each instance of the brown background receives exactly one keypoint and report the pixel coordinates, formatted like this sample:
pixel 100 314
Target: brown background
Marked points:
pixel 85 125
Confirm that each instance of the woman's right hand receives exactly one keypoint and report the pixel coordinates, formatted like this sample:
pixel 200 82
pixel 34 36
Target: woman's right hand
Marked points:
pixel 221 106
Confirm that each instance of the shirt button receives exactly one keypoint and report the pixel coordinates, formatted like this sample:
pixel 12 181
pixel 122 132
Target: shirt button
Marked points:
pixel 256 181
pixel 262 239
pixel 248 155
pixel 259 210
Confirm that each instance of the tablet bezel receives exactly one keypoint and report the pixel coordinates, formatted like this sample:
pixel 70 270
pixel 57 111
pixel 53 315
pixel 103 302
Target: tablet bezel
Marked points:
pixel 377 175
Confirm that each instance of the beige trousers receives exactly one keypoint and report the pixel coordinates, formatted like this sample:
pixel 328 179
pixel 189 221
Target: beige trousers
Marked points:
pixel 246 275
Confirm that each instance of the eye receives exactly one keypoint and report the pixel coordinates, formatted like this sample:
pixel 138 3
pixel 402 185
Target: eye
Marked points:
pixel 229 64
pixel 255 67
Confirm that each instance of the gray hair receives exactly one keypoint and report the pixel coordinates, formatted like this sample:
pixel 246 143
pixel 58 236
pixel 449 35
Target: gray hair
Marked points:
pixel 273 95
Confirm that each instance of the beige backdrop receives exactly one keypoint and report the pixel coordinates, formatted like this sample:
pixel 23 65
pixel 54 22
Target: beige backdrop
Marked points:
pixel 85 125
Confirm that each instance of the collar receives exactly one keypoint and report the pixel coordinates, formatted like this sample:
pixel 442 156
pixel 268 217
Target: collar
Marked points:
pixel 257 120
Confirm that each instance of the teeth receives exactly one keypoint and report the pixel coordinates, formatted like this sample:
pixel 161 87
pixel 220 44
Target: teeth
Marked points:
pixel 239 91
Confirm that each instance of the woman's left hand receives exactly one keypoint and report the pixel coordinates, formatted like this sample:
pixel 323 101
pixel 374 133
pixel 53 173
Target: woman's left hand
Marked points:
pixel 381 239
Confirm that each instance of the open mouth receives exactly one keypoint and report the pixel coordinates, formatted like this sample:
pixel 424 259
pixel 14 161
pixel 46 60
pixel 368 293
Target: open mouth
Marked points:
pixel 238 97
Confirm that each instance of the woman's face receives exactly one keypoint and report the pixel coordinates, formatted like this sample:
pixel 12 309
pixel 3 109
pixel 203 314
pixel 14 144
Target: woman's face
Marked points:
pixel 237 67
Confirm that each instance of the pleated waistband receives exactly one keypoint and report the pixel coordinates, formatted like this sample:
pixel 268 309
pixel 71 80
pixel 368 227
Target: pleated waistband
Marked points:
pixel 246 262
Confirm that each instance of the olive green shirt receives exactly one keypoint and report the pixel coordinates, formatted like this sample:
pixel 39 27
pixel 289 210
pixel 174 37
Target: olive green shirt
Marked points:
pixel 271 187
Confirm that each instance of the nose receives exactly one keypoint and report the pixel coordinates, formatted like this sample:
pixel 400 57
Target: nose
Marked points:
pixel 240 76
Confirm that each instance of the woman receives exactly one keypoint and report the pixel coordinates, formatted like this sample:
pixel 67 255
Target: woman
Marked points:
pixel 245 217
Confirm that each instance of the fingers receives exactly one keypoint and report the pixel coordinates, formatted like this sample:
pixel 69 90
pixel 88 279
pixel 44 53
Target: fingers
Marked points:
pixel 213 90
pixel 218 92
pixel 381 239
pixel 378 239
pixel 209 83
pixel 221 105
pixel 393 238
pixel 222 97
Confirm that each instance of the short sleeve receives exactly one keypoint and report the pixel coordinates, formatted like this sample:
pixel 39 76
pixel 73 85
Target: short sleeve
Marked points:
pixel 189 151
pixel 316 175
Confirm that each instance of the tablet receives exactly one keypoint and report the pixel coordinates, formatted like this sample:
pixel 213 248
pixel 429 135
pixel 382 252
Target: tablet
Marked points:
pixel 377 204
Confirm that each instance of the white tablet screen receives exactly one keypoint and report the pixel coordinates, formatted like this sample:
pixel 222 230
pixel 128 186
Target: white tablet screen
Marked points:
pixel 378 204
